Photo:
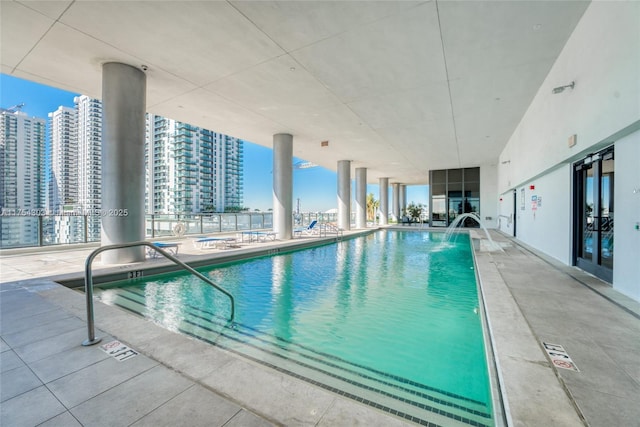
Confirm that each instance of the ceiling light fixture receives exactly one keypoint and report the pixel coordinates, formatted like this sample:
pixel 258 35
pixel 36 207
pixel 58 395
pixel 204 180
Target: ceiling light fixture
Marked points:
pixel 561 89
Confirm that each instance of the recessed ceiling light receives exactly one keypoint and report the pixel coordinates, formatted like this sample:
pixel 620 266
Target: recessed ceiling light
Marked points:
pixel 292 69
pixel 536 27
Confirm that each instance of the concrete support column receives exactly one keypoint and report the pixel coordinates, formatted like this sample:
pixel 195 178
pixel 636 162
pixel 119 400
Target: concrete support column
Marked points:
pixel 283 185
pixel 361 197
pixel 384 201
pixel 123 132
pixel 344 194
pixel 395 201
pixel 403 198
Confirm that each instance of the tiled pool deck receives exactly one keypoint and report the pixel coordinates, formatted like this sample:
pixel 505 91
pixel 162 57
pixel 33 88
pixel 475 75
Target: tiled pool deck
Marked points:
pixel 48 378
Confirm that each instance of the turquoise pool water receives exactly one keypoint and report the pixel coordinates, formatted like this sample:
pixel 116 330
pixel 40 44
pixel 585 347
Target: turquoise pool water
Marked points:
pixel 394 312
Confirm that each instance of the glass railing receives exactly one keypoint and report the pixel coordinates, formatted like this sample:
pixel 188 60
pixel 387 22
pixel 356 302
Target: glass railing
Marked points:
pixel 32 230
pixel 303 219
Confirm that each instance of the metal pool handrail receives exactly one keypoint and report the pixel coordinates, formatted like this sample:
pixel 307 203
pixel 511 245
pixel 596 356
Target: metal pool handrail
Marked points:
pixel 88 282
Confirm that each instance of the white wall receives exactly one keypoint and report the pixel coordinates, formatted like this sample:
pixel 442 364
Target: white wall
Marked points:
pixel 602 56
pixel 506 213
pixel 548 226
pixel 626 258
pixel 488 191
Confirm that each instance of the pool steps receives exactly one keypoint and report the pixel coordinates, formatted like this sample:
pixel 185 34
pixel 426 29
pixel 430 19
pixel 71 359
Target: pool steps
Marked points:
pixel 414 402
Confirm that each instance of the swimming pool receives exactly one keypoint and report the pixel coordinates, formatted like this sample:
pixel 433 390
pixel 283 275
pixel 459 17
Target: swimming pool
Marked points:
pixel 390 319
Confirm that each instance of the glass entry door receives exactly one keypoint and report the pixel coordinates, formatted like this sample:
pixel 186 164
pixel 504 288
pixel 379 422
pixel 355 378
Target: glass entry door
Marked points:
pixel 594 182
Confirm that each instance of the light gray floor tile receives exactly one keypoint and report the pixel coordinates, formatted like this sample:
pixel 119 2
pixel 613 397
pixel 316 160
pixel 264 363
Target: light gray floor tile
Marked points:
pixel 86 383
pixel 624 336
pixel 186 355
pixel 52 345
pixel 597 370
pixel 63 420
pixel 344 412
pixel 17 381
pixel 626 360
pixel 11 325
pixel 198 405
pixel 133 399
pixel 74 359
pixel 604 410
pixel 10 360
pixel 4 346
pixel 30 409
pixel 532 401
pixel 43 331
pixel 247 419
pixel 19 303
pixel 270 392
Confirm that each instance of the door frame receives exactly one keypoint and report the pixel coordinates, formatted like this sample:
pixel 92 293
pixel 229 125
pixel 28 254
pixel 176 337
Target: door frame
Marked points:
pixel 515 212
pixel 594 265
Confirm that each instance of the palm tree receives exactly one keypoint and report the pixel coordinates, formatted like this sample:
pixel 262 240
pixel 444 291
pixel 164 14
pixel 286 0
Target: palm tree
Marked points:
pixel 372 207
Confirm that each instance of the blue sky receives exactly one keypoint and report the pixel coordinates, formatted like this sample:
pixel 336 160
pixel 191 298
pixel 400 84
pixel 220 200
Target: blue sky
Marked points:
pixel 315 187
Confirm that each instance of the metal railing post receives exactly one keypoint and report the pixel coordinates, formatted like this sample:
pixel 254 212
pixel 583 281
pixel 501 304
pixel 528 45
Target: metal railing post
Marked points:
pixel 88 283
pixel 88 290
pixel 40 232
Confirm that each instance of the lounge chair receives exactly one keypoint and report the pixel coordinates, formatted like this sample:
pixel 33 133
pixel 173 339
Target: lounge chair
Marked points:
pixel 331 228
pixel 308 230
pixel 257 236
pixel 217 242
pixel 172 248
pixel 262 236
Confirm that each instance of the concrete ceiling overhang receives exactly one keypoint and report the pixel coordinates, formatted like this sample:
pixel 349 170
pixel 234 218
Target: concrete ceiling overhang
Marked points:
pixel 398 87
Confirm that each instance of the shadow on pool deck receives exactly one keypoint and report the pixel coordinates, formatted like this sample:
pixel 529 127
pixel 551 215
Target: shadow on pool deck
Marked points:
pixel 176 380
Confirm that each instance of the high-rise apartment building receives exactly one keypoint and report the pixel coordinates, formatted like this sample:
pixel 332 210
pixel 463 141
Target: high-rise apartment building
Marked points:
pixel 190 169
pixel 89 133
pixel 22 176
pixel 63 178
pixel 63 182
pixel 228 163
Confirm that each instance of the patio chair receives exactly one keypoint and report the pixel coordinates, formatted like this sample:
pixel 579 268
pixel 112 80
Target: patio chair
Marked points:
pixel 262 236
pixel 256 236
pixel 308 230
pixel 172 248
pixel 332 228
pixel 216 242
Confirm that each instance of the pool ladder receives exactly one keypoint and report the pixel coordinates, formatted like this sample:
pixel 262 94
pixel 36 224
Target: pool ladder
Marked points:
pixel 88 282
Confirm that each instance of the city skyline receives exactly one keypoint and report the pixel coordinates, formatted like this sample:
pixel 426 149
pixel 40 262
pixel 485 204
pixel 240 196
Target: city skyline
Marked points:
pixel 315 187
